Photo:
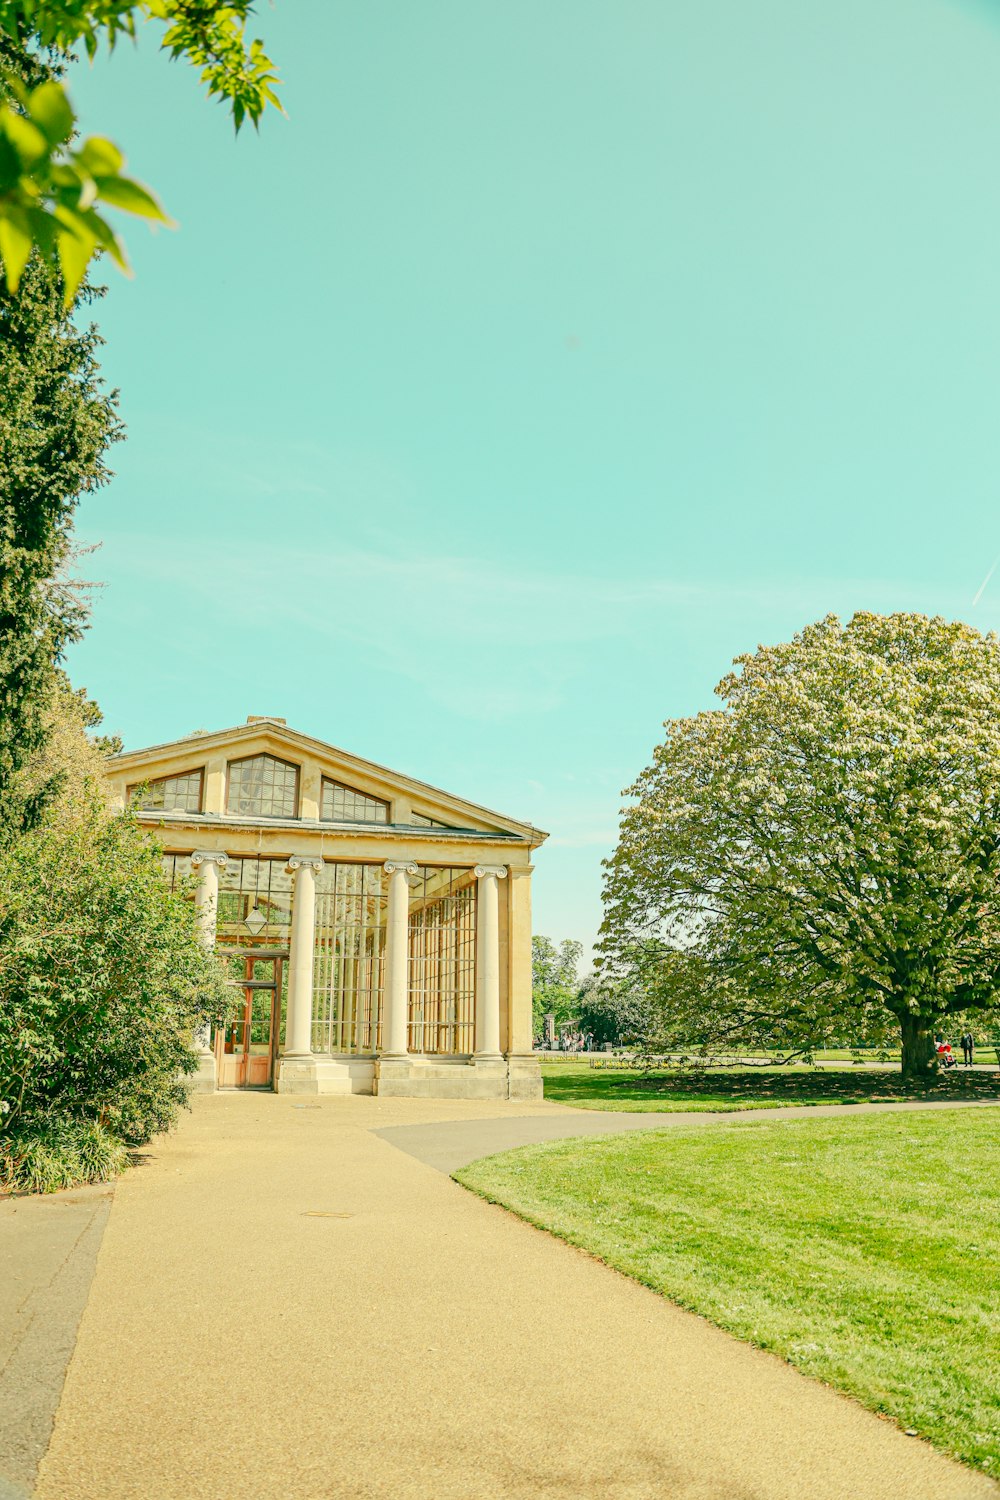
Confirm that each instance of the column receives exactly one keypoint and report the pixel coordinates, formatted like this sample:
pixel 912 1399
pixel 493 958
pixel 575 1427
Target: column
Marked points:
pixel 298 1018
pixel 397 959
pixel 208 863
pixel 488 960
pixel 520 1031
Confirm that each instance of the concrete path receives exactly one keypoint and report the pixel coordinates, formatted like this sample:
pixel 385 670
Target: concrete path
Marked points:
pixel 448 1145
pixel 48 1250
pixel 285 1305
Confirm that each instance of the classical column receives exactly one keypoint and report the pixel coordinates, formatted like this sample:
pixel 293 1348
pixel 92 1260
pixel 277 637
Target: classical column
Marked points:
pixel 298 1018
pixel 520 1031
pixel 208 863
pixel 488 960
pixel 397 959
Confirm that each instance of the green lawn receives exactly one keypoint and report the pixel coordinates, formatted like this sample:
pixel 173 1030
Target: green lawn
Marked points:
pixel 986 1055
pixel 863 1250
pixel 723 1089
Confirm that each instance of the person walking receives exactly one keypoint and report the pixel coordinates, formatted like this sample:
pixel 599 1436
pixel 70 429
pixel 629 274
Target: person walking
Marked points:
pixel 968 1043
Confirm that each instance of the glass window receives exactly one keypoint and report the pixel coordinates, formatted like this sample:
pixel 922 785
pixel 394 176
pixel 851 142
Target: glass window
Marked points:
pixel 442 961
pixel 344 804
pixel 170 793
pixel 177 868
pixel 421 820
pixel 255 912
pixel 349 958
pixel 253 889
pixel 263 787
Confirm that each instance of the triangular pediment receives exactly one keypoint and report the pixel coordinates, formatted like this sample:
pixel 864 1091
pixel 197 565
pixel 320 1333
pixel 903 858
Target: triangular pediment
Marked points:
pixel 321 768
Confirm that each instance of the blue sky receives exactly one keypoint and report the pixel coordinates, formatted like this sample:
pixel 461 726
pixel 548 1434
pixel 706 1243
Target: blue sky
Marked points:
pixel 541 360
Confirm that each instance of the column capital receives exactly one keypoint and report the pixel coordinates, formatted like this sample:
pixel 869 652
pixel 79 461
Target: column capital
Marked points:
pixel 209 857
pixel 406 865
pixel 305 862
pixel 499 871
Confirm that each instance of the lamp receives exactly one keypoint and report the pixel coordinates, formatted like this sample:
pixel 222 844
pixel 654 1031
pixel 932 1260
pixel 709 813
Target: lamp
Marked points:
pixel 255 919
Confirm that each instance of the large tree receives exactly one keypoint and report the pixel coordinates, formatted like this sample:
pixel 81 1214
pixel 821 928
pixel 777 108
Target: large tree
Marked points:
pixel 822 853
pixel 56 423
pixel 555 981
pixel 615 1014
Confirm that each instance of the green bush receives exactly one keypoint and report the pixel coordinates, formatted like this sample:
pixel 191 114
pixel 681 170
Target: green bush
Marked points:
pixel 44 1156
pixel 104 977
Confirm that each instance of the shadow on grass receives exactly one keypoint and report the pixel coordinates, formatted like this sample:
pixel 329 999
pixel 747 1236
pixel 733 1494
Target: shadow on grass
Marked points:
pixel 756 1088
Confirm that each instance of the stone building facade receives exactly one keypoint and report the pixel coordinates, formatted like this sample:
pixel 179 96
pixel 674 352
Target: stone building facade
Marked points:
pixel 377 930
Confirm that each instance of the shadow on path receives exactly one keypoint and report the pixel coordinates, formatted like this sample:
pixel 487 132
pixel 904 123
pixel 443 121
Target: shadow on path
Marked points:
pixel 48 1249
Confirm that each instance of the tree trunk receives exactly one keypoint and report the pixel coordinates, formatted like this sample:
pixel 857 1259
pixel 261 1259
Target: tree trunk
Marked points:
pixel 919 1054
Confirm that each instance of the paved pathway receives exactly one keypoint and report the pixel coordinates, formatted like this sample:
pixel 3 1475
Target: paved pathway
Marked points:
pixel 285 1305
pixel 48 1250
pixel 450 1144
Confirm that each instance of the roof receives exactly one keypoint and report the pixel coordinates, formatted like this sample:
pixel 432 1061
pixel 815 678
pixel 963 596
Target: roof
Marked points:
pixel 276 731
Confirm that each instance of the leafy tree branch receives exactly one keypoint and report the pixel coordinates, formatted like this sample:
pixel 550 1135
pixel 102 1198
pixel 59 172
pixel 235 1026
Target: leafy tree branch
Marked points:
pixel 55 193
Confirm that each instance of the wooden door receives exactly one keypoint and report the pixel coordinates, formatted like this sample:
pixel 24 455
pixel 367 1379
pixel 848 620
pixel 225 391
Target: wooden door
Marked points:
pixel 245 1047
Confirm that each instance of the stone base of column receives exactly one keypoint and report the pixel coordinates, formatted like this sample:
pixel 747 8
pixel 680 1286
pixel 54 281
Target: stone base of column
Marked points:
pixel 204 1081
pixel 296 1075
pixel 524 1076
pixel 441 1078
pixel 319 1074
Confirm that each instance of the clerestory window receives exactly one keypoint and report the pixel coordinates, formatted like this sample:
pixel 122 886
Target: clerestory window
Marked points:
pixel 181 793
pixel 345 804
pixel 262 786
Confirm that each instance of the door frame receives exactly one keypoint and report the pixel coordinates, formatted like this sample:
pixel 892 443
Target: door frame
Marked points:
pixel 279 957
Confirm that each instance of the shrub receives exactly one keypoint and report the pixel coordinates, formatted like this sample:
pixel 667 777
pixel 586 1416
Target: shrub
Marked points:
pixel 46 1155
pixel 103 978
pixel 103 975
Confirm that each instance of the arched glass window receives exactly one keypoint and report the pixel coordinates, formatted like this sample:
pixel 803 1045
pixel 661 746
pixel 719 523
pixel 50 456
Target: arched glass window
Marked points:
pixel 344 804
pixel 262 786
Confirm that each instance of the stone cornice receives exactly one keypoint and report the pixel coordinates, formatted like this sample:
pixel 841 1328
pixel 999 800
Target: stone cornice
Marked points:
pixel 152 818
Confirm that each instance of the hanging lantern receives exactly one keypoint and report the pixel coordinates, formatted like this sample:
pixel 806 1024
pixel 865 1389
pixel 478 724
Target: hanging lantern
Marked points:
pixel 255 919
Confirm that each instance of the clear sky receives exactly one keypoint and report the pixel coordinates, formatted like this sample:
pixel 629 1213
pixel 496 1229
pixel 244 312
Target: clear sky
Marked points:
pixel 546 356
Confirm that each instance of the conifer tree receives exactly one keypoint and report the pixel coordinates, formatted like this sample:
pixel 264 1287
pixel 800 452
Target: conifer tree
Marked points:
pixel 56 424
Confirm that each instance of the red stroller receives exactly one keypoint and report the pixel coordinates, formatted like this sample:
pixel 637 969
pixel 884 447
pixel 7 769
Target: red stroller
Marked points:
pixel 945 1055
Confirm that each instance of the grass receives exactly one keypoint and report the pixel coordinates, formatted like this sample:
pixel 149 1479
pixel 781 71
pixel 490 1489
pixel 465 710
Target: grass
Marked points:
pixel 862 1250
pixel 986 1055
pixel 728 1089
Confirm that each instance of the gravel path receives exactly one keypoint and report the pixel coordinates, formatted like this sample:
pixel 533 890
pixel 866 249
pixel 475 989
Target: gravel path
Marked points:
pixel 448 1145
pixel 48 1250
pixel 286 1305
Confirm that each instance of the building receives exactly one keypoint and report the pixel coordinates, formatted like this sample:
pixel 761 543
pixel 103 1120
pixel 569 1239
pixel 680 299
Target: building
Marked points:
pixel 379 929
